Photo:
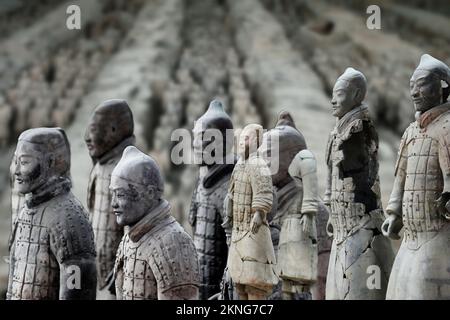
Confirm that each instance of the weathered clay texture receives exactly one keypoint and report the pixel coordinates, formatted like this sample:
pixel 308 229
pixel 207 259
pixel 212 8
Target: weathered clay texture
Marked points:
pixel 419 199
pixel 251 258
pixel 207 211
pixel 52 253
pixel 280 146
pixel 109 132
pixel 354 197
pixel 156 258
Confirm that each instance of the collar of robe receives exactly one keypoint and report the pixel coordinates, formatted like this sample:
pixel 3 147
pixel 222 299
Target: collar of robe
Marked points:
pixel 216 173
pixel 153 221
pixel 361 112
pixel 117 150
pixel 430 115
pixel 52 188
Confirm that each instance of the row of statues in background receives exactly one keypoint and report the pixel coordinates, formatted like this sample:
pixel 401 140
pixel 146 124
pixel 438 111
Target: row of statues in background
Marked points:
pixel 257 234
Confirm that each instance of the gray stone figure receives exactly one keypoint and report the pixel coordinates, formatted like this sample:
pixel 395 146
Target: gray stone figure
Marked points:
pixel 17 199
pixel 420 199
pixel 298 248
pixel 156 258
pixel 207 210
pixel 324 242
pixel 251 258
pixel 360 258
pixel 52 253
pixel 279 147
pixel 108 133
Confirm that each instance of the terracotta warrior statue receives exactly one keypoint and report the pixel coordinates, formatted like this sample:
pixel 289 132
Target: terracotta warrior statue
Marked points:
pixel 420 199
pixel 251 258
pixel 109 132
pixel 206 212
pixel 297 251
pixel 52 253
pixel 17 199
pixel 360 258
pixel 156 258
pixel 324 243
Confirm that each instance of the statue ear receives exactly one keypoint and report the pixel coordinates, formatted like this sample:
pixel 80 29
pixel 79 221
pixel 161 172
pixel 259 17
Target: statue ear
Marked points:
pixel 151 192
pixel 357 94
pixel 50 161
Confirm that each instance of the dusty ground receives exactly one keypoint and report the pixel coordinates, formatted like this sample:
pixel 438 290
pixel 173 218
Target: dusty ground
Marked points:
pixel 170 58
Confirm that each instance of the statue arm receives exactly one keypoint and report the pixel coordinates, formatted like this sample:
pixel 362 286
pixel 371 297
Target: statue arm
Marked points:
pixel 327 195
pixel 176 271
pixel 261 182
pixel 308 171
pixel 72 244
pixel 193 208
pixel 395 201
pixel 91 192
pixel 184 292
pixel 444 162
pixel 393 223
pixel 118 272
pixel 227 224
pixel 77 279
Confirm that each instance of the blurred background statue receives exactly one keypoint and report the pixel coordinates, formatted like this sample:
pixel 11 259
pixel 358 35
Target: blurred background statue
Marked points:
pixel 298 247
pixel 279 147
pixel 109 132
pixel 251 258
pixel 207 207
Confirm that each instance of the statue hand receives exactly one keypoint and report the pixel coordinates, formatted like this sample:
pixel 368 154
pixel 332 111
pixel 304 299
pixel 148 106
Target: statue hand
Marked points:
pixel 228 239
pixel 329 228
pixel 447 208
pixel 443 205
pixel 110 282
pixel 392 226
pixel 257 221
pixel 306 221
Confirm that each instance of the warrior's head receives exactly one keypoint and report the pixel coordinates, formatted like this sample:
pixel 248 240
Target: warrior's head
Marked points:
pixel 210 134
pixel 42 157
pixel 349 92
pixel 110 123
pixel 279 147
pixel 250 139
pixel 426 84
pixel 136 186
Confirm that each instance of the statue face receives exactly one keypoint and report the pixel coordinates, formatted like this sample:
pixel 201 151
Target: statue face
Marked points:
pixel 426 90
pixel 344 98
pixel 30 172
pixel 99 136
pixel 247 143
pixel 199 144
pixel 129 204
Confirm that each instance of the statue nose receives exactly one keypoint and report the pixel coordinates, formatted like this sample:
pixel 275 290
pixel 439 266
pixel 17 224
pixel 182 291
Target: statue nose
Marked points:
pixel 114 204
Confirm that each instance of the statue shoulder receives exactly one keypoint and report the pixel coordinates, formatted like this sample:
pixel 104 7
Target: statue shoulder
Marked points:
pixel 440 128
pixel 71 233
pixel 173 258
